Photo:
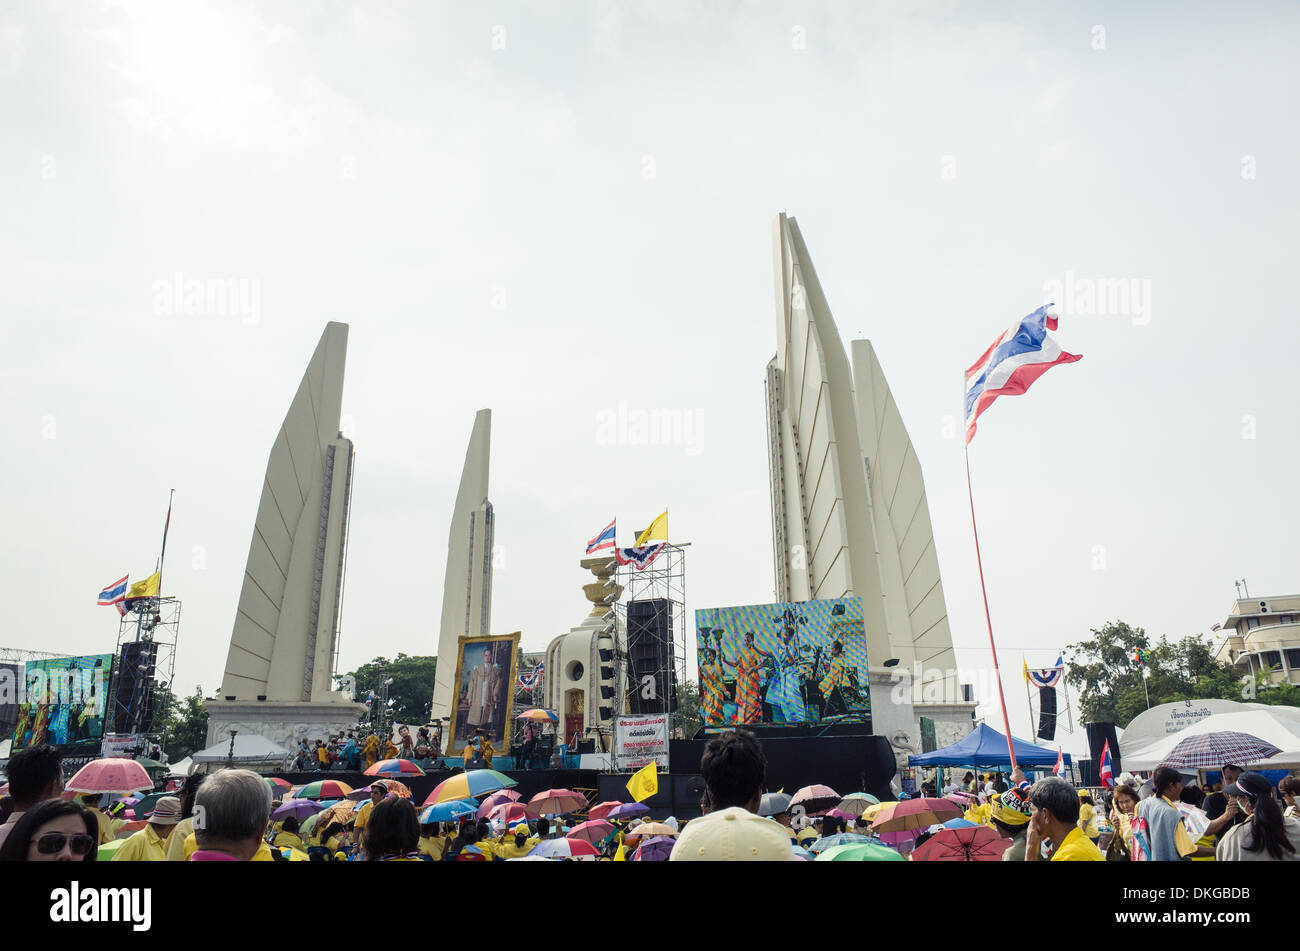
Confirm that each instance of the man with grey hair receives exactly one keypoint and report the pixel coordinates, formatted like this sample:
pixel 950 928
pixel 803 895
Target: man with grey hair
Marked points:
pixel 1055 817
pixel 231 810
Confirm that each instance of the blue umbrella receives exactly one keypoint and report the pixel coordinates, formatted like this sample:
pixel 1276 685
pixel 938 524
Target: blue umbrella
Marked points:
pixel 449 811
pixel 844 838
pixel 958 824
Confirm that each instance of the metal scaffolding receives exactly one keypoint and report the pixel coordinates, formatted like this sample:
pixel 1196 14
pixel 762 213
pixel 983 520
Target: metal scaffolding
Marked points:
pixel 664 579
pixel 144 660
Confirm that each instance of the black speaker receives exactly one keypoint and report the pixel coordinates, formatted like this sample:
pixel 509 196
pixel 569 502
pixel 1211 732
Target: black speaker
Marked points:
pixel 586 746
pixel 649 649
pixel 131 703
pixel 1100 733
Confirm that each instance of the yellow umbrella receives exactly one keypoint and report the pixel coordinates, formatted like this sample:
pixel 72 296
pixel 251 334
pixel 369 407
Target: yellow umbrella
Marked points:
pixel 871 812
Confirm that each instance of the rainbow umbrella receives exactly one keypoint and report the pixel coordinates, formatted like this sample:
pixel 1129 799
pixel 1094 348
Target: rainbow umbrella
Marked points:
pixel 278 786
pixel 394 767
pixel 475 782
pixel 449 811
pixel 538 715
pixel 391 787
pixel 592 831
pixel 324 789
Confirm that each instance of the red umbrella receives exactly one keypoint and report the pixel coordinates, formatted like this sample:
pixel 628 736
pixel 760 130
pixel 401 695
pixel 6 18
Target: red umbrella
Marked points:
pixel 592 831
pixel 968 844
pixel 556 802
pixel 509 811
pixel 601 810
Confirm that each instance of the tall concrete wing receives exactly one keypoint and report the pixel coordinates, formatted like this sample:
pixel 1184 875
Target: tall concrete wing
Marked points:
pixel 467 587
pixel 822 538
pixel 849 515
pixel 916 611
pixel 285 636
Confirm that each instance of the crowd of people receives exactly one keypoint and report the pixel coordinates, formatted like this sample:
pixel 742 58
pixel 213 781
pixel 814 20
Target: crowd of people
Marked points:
pixel 1160 818
pixel 354 751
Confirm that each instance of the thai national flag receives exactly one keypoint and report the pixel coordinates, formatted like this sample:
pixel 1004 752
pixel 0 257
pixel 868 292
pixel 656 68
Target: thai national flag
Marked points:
pixel 1107 768
pixel 1059 768
pixel 1017 358
pixel 115 594
pixel 604 540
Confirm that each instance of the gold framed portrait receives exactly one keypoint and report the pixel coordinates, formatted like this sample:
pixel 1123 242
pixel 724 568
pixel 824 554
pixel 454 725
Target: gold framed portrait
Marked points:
pixel 483 692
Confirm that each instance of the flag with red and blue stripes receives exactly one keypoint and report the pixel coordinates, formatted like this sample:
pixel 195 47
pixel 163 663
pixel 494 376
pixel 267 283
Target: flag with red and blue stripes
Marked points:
pixel 115 594
pixel 604 540
pixel 1017 358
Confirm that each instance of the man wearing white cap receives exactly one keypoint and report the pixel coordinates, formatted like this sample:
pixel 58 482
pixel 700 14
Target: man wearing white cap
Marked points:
pixel 733 768
pixel 150 843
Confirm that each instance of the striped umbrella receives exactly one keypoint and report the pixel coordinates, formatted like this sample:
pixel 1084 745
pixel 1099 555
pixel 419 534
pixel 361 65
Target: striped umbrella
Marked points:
pixel 278 786
pixel 475 782
pixel 394 767
pixel 556 802
pixel 592 831
pixel 538 715
pixel 324 789
pixel 855 803
pixel 1215 749
pixel 449 811
pixel 393 786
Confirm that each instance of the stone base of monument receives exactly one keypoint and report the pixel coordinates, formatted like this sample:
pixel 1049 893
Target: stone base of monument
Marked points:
pixel 281 722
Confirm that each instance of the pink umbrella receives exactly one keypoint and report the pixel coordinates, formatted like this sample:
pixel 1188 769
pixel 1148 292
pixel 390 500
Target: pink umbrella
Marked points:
pixel 591 831
pixel 971 844
pixel 817 800
pixel 555 802
pixel 110 775
pixel 508 811
pixel 496 799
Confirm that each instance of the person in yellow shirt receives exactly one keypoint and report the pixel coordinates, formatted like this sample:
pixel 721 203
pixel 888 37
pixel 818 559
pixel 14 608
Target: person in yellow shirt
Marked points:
pixel 835 679
pixel 370 750
pixel 1055 817
pixel 108 826
pixel 150 843
pixel 184 828
pixel 288 836
pixel 516 844
pixel 1088 816
pixel 390 750
pixel 378 791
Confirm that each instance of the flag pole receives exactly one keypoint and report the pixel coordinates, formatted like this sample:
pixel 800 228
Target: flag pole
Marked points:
pixel 166 526
pixel 997 673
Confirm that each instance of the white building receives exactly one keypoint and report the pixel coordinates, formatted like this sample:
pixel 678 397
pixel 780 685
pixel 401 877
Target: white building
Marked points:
pixel 849 513
pixel 1261 636
pixel 279 673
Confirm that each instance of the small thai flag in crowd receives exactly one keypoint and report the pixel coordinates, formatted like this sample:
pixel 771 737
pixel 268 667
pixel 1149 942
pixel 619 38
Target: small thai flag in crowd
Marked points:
pixel 1107 768
pixel 115 594
pixel 604 540
pixel 1017 358
pixel 1059 768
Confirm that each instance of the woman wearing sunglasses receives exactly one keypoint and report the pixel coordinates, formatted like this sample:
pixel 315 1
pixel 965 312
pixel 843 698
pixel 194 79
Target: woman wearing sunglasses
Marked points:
pixel 53 831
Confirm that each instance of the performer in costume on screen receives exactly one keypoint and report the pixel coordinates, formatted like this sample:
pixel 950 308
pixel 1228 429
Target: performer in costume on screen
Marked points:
pixel 711 677
pixel 748 665
pixel 793 666
pixel 836 678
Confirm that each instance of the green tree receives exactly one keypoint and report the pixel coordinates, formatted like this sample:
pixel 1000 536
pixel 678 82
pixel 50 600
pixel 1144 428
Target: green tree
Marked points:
pixel 1111 684
pixel 411 690
pixel 185 730
pixel 687 715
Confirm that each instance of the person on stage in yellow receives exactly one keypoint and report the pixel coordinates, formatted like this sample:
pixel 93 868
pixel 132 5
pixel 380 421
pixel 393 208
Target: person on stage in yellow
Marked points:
pixel 150 843
pixel 1055 818
pixel 370 749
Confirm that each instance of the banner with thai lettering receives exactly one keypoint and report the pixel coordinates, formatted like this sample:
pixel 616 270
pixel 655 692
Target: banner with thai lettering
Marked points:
pixel 640 739
pixel 122 745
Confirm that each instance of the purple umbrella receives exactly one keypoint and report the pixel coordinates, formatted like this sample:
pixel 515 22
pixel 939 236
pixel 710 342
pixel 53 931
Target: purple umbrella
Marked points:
pixel 628 810
pixel 298 808
pixel 655 849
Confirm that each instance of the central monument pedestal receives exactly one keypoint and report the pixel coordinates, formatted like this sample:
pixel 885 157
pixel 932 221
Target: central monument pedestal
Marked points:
pixel 282 722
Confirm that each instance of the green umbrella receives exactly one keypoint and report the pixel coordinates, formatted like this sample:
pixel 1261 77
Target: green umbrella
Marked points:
pixel 108 849
pixel 860 852
pixel 151 763
pixel 147 803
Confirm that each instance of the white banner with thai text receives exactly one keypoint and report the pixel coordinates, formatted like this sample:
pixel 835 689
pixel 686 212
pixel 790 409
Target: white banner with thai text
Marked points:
pixel 638 740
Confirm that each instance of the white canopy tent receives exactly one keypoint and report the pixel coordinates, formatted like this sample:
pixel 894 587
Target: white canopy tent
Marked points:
pixel 182 768
pixel 249 748
pixel 1282 729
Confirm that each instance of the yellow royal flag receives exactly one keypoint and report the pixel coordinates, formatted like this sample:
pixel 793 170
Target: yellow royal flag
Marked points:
pixel 148 588
pixel 1024 663
pixel 644 782
pixel 657 532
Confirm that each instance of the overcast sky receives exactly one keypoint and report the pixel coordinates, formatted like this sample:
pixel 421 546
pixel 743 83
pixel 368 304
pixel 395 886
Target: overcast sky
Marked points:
pixel 551 209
